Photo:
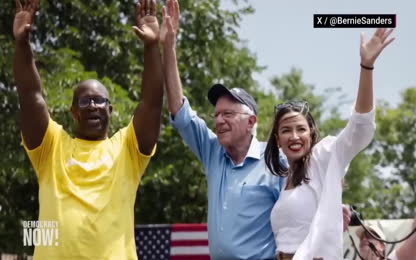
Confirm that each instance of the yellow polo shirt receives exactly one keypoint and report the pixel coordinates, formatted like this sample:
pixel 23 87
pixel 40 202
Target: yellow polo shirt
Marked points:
pixel 89 188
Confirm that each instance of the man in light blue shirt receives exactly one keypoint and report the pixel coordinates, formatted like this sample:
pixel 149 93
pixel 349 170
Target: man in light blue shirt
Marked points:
pixel 241 191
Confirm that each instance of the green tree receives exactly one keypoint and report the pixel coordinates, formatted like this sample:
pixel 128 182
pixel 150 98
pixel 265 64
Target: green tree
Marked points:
pixel 396 153
pixel 382 179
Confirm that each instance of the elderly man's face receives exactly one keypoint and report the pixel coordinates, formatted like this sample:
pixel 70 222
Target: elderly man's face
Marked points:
pixel 232 122
pixel 91 110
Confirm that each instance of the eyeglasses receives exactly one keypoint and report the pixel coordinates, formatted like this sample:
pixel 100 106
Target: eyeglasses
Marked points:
pixel 228 114
pixel 303 105
pixel 98 101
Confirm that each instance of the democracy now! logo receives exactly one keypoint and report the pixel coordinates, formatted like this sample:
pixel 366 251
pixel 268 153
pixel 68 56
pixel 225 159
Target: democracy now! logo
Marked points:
pixel 40 233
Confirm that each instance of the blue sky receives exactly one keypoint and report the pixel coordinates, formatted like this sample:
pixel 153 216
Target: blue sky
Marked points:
pixel 281 35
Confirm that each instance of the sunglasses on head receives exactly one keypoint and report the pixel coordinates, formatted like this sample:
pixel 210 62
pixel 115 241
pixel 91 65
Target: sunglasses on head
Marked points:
pixel 98 101
pixel 303 105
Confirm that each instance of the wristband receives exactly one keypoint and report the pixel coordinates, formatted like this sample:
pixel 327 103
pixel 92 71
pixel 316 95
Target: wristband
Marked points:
pixel 366 67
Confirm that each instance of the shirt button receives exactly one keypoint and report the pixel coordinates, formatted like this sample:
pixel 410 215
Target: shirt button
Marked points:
pixel 221 229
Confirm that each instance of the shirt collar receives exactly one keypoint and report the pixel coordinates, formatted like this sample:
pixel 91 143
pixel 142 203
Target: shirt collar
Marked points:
pixel 254 151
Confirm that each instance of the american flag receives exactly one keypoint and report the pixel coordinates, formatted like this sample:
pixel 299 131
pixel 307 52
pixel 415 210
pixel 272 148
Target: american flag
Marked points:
pixel 172 242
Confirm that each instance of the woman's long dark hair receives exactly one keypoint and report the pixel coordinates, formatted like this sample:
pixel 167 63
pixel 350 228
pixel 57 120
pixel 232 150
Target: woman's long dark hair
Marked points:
pixel 272 152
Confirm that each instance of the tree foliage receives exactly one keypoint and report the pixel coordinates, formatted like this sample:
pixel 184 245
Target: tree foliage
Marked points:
pixel 396 151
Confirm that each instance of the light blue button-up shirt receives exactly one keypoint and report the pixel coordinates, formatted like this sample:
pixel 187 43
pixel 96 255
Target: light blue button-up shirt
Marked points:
pixel 240 197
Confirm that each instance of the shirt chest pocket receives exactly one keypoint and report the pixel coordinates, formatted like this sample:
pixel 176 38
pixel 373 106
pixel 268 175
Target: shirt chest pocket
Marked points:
pixel 256 200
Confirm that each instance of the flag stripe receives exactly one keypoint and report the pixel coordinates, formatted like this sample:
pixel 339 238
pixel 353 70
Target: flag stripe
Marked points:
pixel 189 235
pixel 188 227
pixel 189 250
pixel 189 243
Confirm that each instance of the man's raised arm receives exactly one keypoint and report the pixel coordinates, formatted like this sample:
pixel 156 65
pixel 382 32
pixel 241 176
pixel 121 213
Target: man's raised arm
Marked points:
pixel 170 28
pixel 147 117
pixel 34 112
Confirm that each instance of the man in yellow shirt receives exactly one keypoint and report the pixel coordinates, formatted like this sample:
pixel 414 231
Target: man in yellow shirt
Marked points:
pixel 88 184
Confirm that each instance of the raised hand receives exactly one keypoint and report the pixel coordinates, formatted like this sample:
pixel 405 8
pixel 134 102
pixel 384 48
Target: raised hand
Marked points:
pixel 170 24
pixel 370 50
pixel 23 19
pixel 147 26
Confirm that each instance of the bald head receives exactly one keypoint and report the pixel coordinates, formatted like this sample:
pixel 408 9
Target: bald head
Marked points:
pixel 89 84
